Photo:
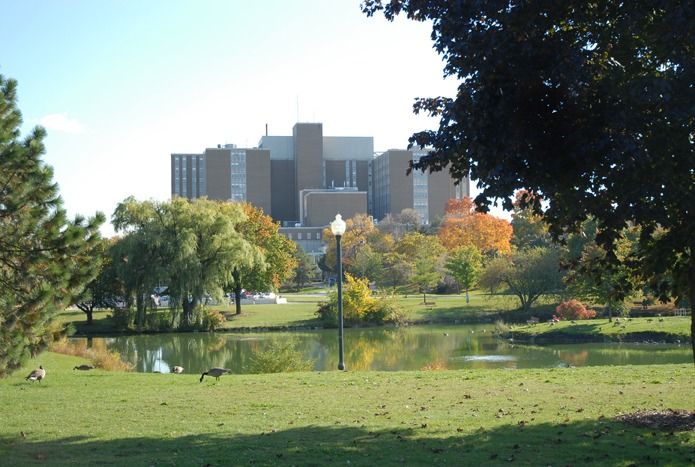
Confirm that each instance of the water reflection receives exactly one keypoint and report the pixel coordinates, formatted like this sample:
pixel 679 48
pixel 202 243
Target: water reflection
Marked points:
pixel 387 349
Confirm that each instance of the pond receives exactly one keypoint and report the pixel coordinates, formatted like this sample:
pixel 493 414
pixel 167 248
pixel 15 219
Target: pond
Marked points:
pixel 380 349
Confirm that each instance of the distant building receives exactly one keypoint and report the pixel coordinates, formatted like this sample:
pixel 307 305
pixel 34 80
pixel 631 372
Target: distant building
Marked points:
pixel 224 173
pixel 391 191
pixel 307 160
pixel 304 180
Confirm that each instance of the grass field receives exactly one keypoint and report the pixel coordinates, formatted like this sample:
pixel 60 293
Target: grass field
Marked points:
pixel 477 417
pixel 300 311
pixel 670 328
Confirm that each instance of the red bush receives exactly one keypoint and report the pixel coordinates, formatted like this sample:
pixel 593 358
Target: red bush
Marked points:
pixel 574 309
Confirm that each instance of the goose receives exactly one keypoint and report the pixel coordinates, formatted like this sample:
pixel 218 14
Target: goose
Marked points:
pixel 178 370
pixel 37 375
pixel 84 367
pixel 216 372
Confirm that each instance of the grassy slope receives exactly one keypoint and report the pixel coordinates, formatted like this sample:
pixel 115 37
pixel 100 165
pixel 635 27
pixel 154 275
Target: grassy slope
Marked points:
pixel 667 328
pixel 485 417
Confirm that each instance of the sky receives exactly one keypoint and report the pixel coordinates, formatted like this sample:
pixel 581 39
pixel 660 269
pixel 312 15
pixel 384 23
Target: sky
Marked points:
pixel 119 85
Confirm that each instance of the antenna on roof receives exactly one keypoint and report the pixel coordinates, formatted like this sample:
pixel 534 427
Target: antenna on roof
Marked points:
pixel 266 129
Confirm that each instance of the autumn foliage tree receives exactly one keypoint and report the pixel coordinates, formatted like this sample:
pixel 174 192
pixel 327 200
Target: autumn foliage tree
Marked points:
pixel 278 253
pixel 360 233
pixel 463 226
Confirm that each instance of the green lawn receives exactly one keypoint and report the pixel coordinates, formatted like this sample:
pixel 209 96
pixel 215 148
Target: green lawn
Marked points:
pixel 472 417
pixel 667 328
pixel 300 311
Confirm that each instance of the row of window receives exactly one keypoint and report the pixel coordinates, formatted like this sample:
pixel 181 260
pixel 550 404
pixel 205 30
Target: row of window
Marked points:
pixel 300 235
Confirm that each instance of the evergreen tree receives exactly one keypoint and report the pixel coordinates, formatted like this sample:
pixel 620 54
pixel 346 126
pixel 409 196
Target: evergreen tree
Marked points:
pixel 45 259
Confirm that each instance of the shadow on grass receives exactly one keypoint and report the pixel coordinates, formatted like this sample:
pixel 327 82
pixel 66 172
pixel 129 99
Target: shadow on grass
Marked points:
pixel 593 442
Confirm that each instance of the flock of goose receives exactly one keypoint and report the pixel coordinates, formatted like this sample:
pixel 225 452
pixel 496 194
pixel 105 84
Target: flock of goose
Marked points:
pixel 40 373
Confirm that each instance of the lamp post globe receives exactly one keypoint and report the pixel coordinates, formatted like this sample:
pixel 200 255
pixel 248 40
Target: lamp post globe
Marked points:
pixel 338 228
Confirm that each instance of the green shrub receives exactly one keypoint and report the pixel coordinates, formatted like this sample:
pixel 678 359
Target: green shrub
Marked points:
pixel 122 318
pixel 280 357
pixel 159 321
pixel 385 310
pixel 206 319
pixel 359 306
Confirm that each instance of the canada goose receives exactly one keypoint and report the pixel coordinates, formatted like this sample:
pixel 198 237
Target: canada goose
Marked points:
pixel 37 375
pixel 178 370
pixel 216 372
pixel 84 367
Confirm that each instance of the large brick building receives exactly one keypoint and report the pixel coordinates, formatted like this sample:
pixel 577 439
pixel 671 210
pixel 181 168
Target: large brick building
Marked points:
pixel 303 180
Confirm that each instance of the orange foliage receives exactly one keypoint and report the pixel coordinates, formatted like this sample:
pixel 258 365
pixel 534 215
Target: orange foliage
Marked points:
pixel 463 226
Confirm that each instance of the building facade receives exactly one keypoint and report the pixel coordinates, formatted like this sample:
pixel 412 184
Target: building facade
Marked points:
pixel 304 179
pixel 224 173
pixel 391 191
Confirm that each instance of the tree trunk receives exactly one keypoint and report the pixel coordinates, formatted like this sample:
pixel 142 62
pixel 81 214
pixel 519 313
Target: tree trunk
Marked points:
pixel 188 308
pixel 140 306
pixel 90 315
pixel 237 290
pixel 468 300
pixel 424 298
pixel 186 315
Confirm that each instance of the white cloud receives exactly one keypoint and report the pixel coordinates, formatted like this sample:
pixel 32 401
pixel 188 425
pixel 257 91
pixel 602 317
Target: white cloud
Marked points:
pixel 61 122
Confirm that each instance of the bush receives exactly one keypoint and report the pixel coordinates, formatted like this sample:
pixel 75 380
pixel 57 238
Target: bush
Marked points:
pixel 384 310
pixel 122 318
pixel 159 321
pixel 359 306
pixel 574 309
pixel 212 319
pixel 280 357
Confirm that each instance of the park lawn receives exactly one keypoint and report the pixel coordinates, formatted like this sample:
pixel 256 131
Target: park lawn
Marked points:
pixel 300 312
pixel 482 307
pixel 466 417
pixel 670 328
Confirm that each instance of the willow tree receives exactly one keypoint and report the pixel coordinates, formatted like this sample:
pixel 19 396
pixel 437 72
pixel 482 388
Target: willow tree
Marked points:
pixel 45 259
pixel 588 105
pixel 192 246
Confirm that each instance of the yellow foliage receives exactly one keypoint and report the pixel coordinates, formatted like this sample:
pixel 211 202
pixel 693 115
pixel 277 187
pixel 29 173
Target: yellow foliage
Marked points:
pixel 357 298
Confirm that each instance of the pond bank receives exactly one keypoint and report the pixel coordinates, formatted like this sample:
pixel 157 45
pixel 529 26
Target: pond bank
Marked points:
pixel 635 330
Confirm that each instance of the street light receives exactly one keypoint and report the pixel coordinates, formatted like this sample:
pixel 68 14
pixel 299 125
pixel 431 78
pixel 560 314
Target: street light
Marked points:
pixel 338 229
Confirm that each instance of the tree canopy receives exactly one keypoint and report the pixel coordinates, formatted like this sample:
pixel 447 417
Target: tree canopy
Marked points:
pixel 462 226
pixel 276 252
pixel 589 105
pixel 191 246
pixel 464 264
pixel 45 259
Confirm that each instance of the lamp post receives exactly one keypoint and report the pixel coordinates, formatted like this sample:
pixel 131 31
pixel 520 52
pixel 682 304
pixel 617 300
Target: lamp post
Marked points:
pixel 338 229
